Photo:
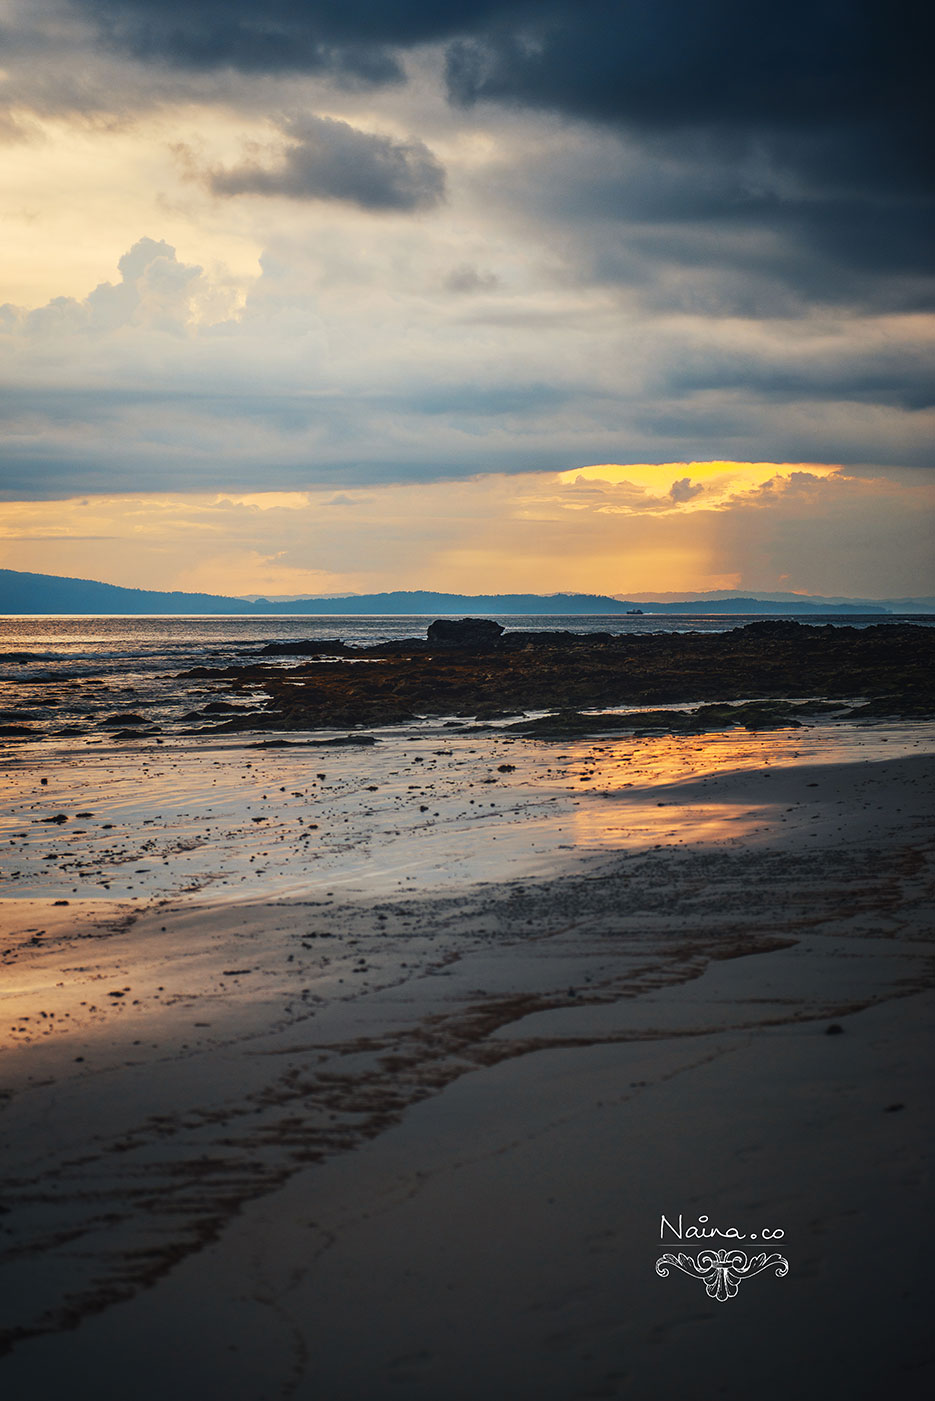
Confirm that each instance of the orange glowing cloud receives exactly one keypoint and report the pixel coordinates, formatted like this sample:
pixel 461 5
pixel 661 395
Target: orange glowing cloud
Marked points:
pixel 694 486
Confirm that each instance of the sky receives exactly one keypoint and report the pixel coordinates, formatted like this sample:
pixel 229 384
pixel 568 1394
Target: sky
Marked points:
pixel 496 295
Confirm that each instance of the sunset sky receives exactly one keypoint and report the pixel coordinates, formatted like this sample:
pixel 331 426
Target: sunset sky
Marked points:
pixel 347 295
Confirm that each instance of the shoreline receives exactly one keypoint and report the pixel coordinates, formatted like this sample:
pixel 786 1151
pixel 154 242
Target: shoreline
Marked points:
pixel 230 820
pixel 246 1055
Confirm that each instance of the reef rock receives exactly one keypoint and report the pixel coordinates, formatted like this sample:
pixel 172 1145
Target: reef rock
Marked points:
pixel 464 632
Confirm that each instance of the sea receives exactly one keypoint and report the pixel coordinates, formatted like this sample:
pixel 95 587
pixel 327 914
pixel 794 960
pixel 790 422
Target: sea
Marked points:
pixel 67 677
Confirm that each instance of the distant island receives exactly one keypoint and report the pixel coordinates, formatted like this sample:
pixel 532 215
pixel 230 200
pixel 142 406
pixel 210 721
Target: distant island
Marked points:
pixel 24 593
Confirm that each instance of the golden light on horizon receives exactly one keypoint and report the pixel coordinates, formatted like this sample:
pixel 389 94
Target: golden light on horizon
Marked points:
pixel 613 529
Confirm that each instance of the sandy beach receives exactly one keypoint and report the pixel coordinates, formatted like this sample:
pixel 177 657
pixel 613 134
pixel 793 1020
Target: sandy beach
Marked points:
pixel 369 1070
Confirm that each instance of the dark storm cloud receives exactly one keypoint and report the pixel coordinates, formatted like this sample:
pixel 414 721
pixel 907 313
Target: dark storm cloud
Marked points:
pixel 703 223
pixel 897 377
pixel 672 62
pixel 832 98
pixel 334 161
pixel 353 39
pixel 649 62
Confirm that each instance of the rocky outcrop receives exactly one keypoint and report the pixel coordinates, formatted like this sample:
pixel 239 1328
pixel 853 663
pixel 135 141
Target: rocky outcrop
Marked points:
pixel 309 647
pixel 470 633
pixel 890 667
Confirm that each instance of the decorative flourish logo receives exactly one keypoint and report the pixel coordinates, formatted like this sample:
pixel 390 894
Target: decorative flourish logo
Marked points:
pixel 722 1270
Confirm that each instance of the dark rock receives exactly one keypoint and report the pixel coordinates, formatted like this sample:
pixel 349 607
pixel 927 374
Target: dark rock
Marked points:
pixel 755 715
pixel 312 647
pixel 470 633
pixel 775 627
pixel 342 741
pixel 244 720
pixel 469 667
pixel 567 724
pixel 552 639
pixel 402 646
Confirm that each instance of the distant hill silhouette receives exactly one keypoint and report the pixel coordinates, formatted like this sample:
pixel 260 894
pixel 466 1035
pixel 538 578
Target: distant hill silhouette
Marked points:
pixel 48 593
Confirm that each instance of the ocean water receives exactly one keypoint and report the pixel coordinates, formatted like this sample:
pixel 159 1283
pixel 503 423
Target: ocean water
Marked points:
pixel 72 676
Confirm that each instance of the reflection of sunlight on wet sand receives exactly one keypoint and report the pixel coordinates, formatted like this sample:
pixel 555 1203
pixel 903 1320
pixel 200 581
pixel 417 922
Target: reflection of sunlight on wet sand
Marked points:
pixel 656 760
pixel 639 771
pixel 642 823
pixel 629 767
pixel 227 822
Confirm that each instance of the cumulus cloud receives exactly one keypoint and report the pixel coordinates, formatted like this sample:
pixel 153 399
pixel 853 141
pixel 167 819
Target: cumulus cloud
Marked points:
pixel 155 292
pixel 331 160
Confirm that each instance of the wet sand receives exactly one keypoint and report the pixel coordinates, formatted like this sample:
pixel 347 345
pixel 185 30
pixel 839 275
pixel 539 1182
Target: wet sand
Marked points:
pixel 385 1093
